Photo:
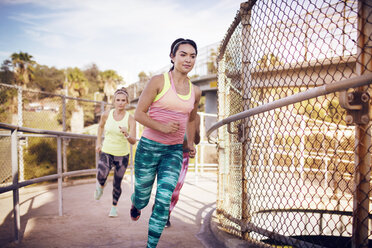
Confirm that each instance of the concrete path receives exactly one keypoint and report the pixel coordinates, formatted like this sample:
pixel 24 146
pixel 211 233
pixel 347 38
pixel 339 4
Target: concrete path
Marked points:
pixel 85 221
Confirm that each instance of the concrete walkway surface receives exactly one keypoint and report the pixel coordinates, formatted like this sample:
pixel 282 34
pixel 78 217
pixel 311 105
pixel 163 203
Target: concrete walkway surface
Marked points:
pixel 85 221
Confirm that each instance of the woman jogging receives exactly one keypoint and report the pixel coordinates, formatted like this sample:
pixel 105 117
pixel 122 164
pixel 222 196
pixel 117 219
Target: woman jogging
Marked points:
pixel 120 130
pixel 167 108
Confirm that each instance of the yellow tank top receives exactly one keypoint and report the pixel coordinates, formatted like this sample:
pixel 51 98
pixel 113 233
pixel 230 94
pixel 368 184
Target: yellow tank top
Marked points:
pixel 114 142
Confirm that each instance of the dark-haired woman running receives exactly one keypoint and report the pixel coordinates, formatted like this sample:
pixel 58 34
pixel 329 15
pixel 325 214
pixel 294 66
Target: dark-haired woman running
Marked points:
pixel 167 108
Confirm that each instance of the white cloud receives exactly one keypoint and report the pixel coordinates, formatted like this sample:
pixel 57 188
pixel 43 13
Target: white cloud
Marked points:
pixel 4 54
pixel 127 36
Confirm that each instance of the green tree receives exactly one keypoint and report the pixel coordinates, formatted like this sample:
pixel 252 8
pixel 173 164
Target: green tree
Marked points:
pixel 77 83
pixel 40 157
pixel 6 74
pixel 7 106
pixel 110 81
pixel 23 67
pixel 48 79
pixel 82 156
pixel 77 86
pixel 143 76
pixel 92 74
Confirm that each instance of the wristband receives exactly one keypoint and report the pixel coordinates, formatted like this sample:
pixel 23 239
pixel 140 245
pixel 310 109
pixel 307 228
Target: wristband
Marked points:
pixel 127 136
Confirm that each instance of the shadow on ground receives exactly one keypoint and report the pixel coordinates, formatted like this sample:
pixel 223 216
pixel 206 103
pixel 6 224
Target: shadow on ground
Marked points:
pixel 85 221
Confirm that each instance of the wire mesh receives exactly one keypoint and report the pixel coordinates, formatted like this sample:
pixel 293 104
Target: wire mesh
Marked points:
pixel 8 103
pixel 46 111
pixel 5 161
pixel 292 170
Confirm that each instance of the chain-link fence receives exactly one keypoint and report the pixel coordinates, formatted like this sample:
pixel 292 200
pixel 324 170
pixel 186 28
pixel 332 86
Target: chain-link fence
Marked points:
pixel 46 111
pixel 297 175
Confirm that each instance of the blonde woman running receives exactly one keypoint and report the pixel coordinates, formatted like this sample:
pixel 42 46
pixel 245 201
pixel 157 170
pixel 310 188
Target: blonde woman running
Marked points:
pixel 120 131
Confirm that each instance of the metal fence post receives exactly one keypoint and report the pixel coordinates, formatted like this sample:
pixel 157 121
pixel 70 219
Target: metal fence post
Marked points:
pixel 20 123
pixel 15 174
pixel 362 171
pixel 64 147
pixel 131 165
pixel 245 10
pixel 60 178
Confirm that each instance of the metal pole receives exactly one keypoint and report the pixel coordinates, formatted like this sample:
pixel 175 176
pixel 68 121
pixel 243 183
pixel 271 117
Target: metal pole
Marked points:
pixel 102 110
pixel 131 168
pixel 64 148
pixel 221 151
pixel 298 97
pixel 202 131
pixel 20 123
pixel 15 174
pixel 361 180
pixel 59 172
pixel 196 172
pixel 245 13
pixel 362 171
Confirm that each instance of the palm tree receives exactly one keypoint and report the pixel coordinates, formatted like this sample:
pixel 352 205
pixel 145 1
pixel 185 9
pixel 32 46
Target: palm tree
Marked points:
pixel 143 76
pixel 23 65
pixel 110 80
pixel 77 86
pixel 77 83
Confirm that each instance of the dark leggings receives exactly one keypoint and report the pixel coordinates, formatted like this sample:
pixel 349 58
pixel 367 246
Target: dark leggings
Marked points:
pixel 106 161
pixel 164 162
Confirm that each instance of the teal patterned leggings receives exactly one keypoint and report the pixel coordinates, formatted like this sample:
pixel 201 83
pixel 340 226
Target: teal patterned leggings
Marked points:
pixel 164 161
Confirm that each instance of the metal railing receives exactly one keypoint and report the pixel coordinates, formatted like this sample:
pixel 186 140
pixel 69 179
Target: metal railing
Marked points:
pixel 49 111
pixel 16 133
pixel 199 165
pixel 294 135
pixel 299 97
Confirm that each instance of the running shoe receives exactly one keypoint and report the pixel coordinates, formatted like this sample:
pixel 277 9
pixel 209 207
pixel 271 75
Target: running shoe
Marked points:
pixel 98 193
pixel 134 213
pixel 113 212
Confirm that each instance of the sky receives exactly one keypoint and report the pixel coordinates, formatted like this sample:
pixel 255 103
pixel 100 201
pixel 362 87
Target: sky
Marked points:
pixel 128 36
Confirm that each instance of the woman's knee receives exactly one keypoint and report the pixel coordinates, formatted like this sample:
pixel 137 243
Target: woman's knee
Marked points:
pixel 102 176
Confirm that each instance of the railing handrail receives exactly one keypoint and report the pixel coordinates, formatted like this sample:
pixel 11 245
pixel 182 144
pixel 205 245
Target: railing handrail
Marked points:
pixel 342 85
pixel 47 178
pixel 48 132
pixel 51 93
pixel 58 134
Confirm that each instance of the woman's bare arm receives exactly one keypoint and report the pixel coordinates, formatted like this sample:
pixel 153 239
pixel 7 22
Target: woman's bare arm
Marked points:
pixel 191 124
pixel 101 126
pixel 152 88
pixel 132 130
